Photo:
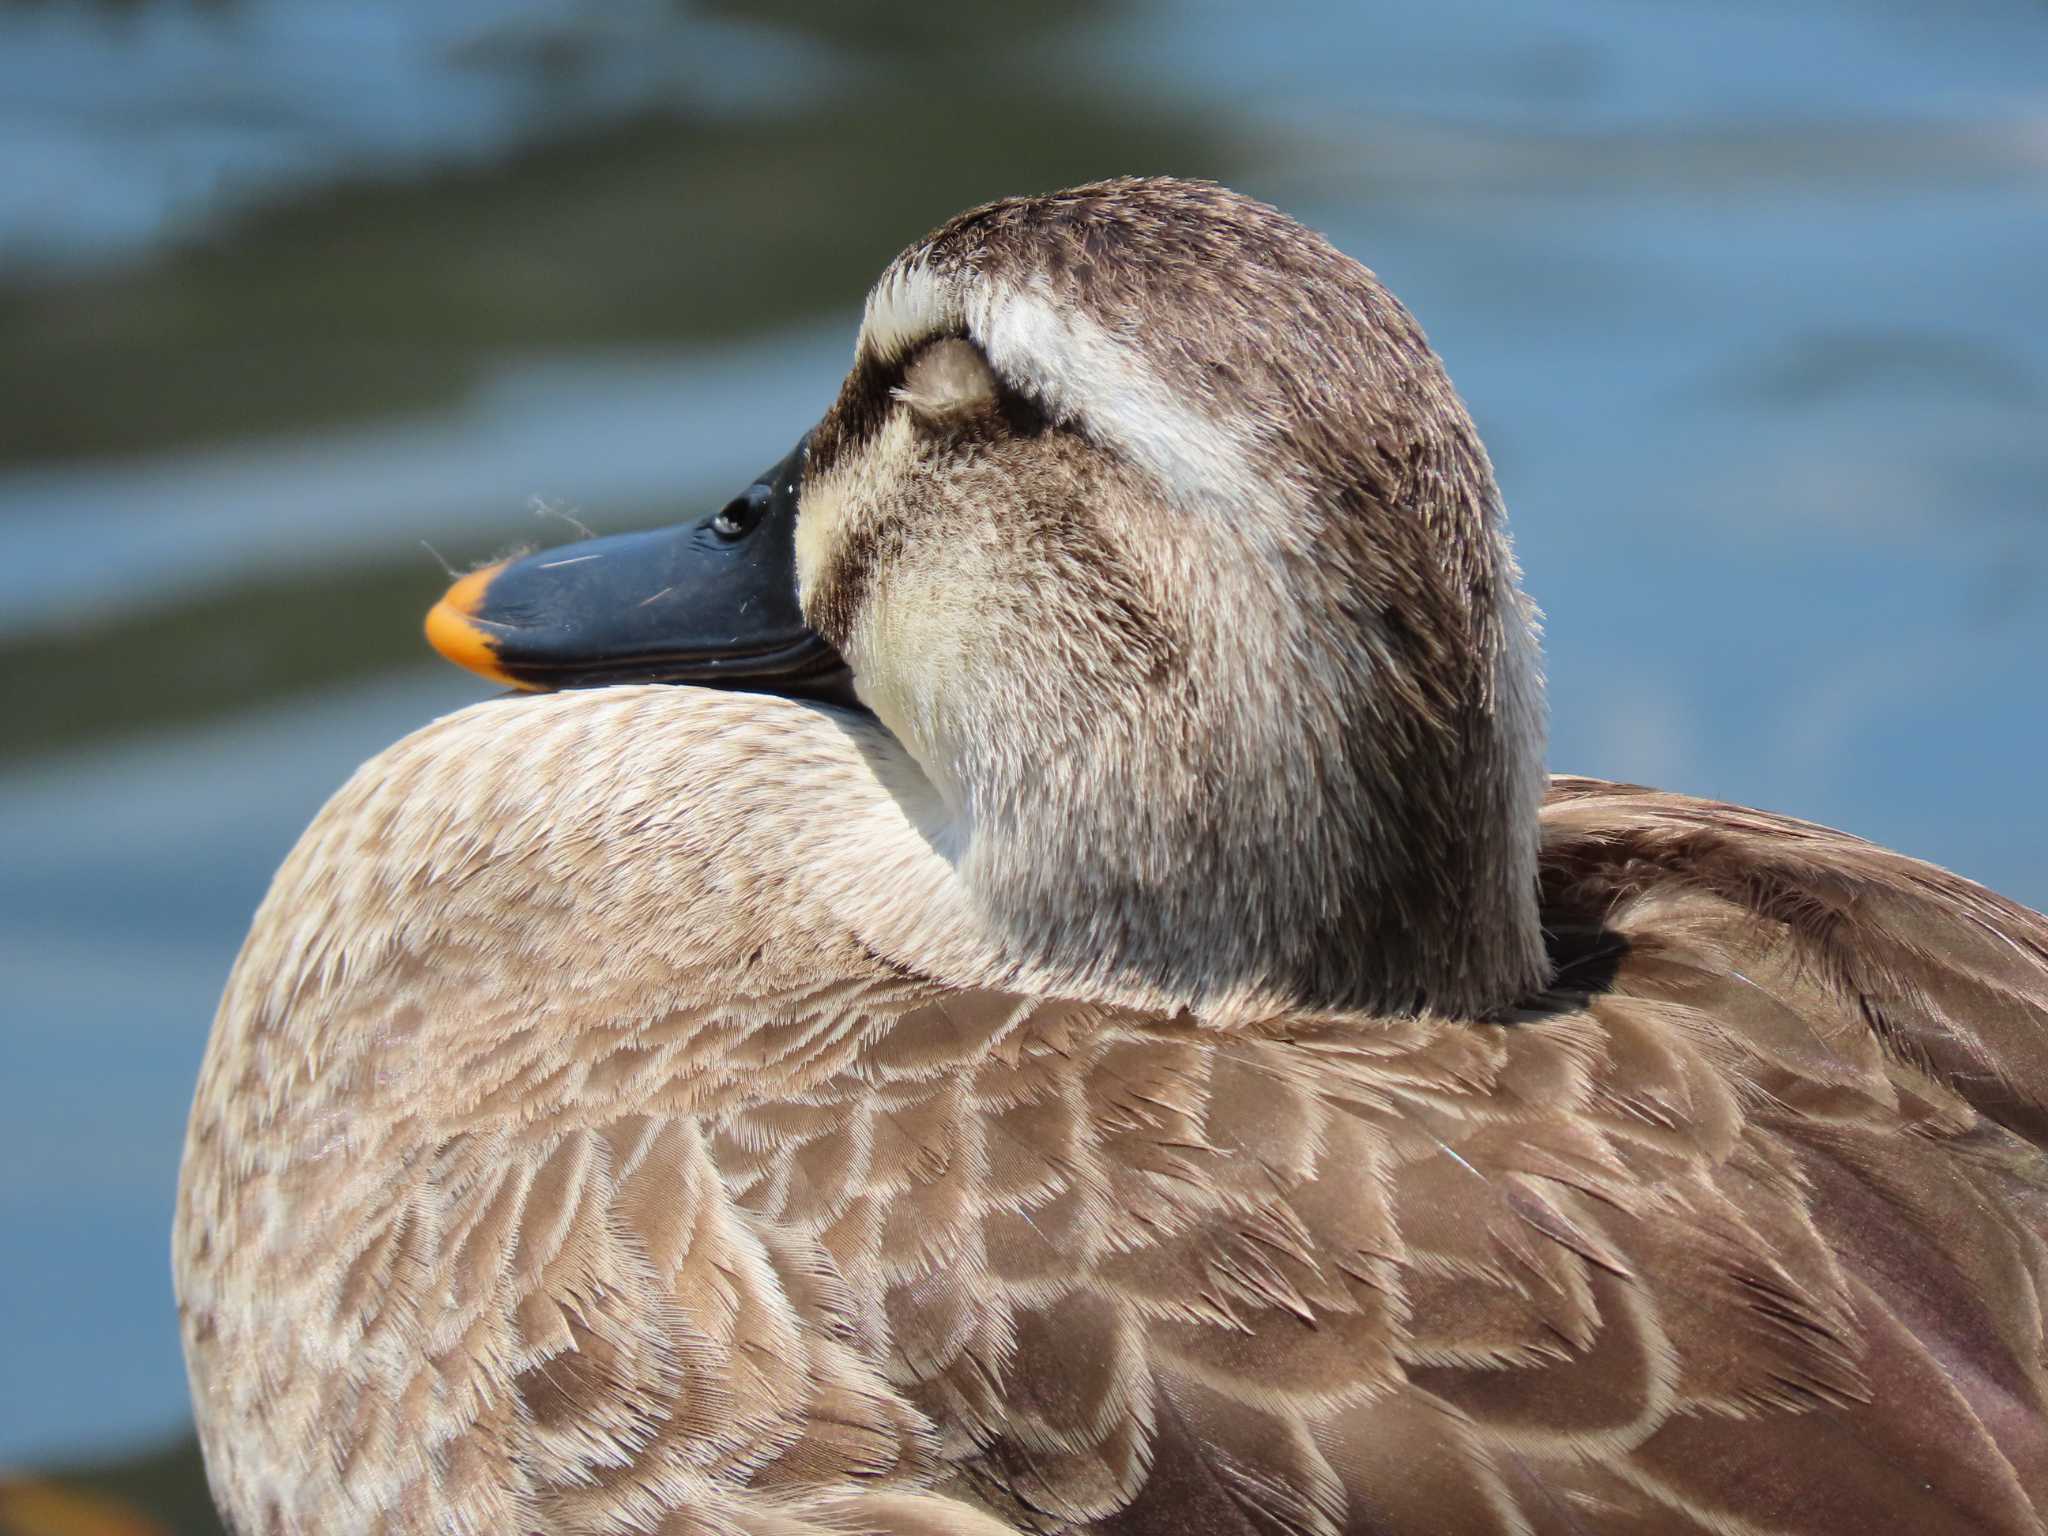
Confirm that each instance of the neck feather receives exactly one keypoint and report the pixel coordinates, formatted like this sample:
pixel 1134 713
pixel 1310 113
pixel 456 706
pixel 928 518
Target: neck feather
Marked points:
pixel 1356 860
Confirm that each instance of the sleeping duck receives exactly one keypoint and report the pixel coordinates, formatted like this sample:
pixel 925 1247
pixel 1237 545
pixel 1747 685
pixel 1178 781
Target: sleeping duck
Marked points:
pixel 1083 1012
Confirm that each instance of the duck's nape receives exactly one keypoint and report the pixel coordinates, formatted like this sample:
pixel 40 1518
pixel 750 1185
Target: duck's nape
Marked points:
pixel 1189 593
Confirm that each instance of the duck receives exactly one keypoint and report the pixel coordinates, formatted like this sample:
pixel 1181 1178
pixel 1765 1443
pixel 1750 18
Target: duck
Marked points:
pixel 1027 974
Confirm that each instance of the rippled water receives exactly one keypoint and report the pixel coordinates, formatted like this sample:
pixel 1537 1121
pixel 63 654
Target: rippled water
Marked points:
pixel 1747 298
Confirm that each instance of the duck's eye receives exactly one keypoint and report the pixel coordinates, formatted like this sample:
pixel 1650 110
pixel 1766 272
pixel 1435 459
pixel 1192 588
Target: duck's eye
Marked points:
pixel 949 381
pixel 737 518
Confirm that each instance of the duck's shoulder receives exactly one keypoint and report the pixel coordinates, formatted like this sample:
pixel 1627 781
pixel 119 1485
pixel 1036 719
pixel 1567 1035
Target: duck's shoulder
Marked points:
pixel 1739 1227
pixel 1665 1251
pixel 658 839
pixel 1840 955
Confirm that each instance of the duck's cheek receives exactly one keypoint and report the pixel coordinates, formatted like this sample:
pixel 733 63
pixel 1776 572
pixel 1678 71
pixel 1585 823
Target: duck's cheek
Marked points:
pixel 913 652
pixel 820 522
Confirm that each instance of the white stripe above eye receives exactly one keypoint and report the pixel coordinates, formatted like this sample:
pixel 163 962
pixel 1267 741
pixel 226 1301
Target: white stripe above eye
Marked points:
pixel 1081 373
pixel 910 304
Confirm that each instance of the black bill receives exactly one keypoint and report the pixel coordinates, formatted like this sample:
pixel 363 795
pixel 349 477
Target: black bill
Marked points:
pixel 711 602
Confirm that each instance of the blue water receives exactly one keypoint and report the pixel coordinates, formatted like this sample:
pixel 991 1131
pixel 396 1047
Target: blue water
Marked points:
pixel 538 437
pixel 1747 298
pixel 126 127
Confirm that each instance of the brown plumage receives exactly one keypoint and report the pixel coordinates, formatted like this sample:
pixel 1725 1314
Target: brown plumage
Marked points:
pixel 651 1109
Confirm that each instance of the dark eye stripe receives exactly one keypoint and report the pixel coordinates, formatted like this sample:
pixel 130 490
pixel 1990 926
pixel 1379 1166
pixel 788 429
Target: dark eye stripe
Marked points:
pixel 843 586
pixel 868 396
pixel 857 415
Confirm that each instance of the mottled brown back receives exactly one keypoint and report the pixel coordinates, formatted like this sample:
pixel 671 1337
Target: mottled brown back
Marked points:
pixel 1740 1228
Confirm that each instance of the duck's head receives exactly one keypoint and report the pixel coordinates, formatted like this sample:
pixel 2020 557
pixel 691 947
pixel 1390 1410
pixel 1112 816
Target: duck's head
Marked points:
pixel 1151 528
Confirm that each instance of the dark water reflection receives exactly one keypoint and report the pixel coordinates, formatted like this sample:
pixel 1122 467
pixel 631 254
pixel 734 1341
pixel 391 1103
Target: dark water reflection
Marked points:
pixel 1747 297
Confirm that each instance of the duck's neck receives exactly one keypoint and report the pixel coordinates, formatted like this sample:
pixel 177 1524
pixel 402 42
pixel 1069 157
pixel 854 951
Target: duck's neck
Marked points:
pixel 1247 907
pixel 1238 857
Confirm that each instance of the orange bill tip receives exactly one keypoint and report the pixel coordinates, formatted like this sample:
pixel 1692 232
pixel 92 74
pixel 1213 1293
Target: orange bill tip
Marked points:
pixel 454 631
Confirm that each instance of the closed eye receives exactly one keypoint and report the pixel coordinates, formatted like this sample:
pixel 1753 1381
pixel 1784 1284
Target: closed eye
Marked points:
pixel 948 381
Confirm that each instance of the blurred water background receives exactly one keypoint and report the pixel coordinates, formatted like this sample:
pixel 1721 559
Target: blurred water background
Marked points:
pixel 1750 298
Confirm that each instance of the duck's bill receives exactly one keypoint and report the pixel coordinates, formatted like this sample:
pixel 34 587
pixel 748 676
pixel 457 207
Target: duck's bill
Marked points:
pixel 711 602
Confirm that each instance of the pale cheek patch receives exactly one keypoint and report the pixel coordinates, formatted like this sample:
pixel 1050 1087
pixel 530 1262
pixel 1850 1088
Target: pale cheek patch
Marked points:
pixel 912 667
pixel 819 520
pixel 834 506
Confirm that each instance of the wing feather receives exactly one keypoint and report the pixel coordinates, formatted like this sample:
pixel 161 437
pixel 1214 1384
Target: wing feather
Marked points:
pixel 1742 1227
